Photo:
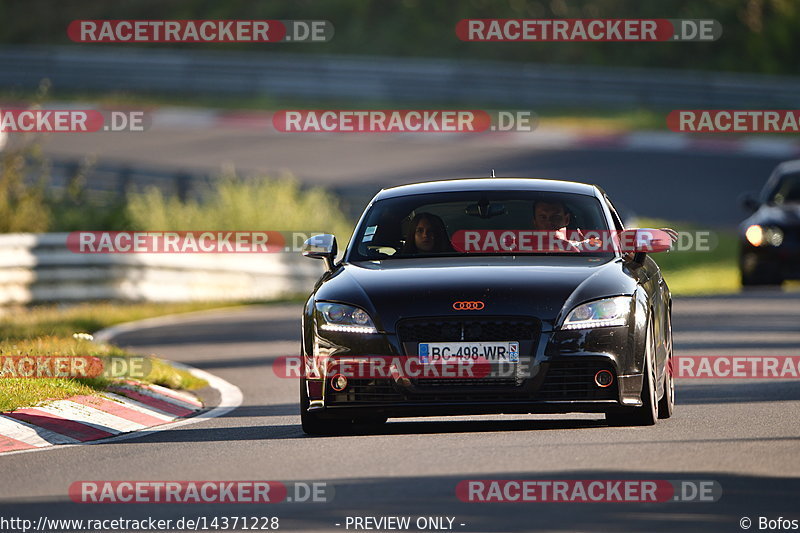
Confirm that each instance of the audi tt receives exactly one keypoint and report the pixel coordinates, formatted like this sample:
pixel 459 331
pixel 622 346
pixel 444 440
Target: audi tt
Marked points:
pixel 525 287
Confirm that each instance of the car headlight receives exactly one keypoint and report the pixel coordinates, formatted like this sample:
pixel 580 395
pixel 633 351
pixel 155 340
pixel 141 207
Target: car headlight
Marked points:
pixel 605 312
pixel 346 318
pixel 761 235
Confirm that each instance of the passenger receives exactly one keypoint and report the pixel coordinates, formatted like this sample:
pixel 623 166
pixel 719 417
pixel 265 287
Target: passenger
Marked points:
pixel 427 234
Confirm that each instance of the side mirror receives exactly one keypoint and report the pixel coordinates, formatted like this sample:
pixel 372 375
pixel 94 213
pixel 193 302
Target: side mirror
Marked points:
pixel 321 247
pixel 749 202
pixel 642 241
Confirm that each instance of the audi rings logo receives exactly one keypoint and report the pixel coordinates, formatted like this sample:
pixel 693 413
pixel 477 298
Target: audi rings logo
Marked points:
pixel 468 306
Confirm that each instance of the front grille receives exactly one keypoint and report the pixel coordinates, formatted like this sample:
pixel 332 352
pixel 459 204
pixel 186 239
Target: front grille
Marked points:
pixel 381 391
pixel 456 329
pixel 574 380
pixel 466 382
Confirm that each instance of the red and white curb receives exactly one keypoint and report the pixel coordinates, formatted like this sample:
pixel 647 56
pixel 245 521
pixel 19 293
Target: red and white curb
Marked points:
pixel 128 407
pixel 127 410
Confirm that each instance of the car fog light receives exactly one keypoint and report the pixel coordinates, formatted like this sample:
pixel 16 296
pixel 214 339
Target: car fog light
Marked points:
pixel 338 382
pixel 603 378
pixel 774 236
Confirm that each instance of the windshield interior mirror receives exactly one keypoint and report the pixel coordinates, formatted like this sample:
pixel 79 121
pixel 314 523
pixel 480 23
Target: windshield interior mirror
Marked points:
pixel 485 209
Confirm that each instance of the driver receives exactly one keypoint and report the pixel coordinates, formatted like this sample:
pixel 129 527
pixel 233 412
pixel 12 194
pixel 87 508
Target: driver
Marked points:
pixel 553 217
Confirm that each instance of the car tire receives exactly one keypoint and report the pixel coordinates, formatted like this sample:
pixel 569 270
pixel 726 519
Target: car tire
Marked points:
pixel 666 405
pixel 312 424
pixel 647 413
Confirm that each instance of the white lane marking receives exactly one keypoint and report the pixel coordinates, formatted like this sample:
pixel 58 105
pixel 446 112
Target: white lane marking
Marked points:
pixel 771 147
pixel 648 140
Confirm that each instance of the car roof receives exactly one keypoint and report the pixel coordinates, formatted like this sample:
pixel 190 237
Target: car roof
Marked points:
pixel 788 167
pixel 488 184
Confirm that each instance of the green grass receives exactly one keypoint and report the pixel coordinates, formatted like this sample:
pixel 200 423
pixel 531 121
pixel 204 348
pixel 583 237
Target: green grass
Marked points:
pixel 720 278
pixel 603 121
pixel 237 204
pixel 695 272
pixel 47 331
pixel 22 392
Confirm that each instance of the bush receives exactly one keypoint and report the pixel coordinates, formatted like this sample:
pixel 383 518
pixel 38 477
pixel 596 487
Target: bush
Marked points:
pixel 242 204
pixel 23 207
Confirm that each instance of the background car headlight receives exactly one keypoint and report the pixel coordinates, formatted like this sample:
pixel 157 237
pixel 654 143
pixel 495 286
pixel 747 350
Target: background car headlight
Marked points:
pixel 762 235
pixel 347 318
pixel 605 312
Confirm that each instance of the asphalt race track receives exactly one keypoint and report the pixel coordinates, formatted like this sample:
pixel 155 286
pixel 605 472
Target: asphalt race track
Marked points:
pixel 743 434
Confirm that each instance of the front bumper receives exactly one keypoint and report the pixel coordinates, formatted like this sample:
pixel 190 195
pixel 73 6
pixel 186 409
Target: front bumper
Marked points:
pixel 560 367
pixel 781 261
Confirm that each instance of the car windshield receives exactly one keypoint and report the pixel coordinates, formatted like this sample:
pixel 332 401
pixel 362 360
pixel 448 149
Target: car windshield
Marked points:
pixel 787 190
pixel 479 223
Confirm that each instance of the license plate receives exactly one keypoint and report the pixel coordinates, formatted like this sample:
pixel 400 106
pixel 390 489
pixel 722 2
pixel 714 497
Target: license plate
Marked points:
pixel 431 353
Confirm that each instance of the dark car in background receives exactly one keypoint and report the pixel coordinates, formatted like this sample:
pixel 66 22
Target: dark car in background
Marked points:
pixel 581 332
pixel 770 237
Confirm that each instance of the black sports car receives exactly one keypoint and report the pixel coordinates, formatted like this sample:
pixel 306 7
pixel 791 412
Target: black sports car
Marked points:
pixel 437 272
pixel 770 237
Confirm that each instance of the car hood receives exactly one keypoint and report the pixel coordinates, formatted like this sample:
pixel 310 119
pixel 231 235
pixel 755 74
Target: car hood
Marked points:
pixel 787 216
pixel 543 287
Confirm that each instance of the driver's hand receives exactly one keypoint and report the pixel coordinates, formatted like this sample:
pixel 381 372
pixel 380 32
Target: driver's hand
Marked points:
pixel 673 235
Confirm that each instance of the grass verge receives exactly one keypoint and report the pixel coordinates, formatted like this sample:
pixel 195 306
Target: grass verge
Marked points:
pixel 48 332
pixel 698 272
pixel 26 392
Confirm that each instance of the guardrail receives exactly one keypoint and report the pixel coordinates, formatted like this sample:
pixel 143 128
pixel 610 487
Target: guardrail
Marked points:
pixel 359 79
pixel 38 268
pixel 108 181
